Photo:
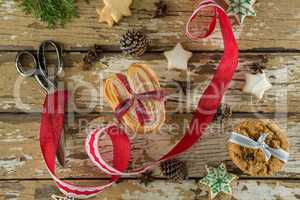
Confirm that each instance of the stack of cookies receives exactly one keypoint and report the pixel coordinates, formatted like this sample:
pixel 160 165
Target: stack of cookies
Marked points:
pixel 136 98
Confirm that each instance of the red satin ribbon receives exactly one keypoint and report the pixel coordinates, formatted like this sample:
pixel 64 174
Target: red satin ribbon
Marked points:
pixel 51 124
pixel 136 100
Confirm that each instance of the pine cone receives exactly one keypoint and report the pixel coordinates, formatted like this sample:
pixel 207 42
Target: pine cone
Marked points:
pixel 134 43
pixel 147 178
pixel 174 169
pixel 224 112
pixel 92 56
pixel 257 68
pixel 161 9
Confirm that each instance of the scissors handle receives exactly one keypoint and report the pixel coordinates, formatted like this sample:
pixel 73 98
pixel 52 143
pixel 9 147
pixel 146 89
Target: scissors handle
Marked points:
pixel 42 57
pixel 19 65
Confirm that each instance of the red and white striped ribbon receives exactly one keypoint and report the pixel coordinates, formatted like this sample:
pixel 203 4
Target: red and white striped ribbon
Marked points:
pixel 49 133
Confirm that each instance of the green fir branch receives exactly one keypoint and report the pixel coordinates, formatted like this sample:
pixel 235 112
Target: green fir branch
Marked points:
pixel 51 11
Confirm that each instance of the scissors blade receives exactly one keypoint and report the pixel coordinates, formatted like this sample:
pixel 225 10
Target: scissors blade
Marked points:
pixel 43 82
pixel 60 154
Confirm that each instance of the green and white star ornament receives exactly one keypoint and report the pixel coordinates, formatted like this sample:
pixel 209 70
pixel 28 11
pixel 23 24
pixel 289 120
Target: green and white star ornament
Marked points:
pixel 218 180
pixel 241 9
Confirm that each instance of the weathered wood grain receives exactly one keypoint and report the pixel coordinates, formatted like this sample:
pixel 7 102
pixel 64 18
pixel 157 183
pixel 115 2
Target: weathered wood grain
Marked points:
pixel 22 172
pixel 276 26
pixel 133 190
pixel 19 94
pixel 20 147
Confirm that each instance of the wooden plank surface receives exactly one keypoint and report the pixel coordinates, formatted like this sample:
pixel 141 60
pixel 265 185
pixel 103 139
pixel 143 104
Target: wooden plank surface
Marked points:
pixel 132 190
pixel 272 40
pixel 20 146
pixel 276 26
pixel 19 94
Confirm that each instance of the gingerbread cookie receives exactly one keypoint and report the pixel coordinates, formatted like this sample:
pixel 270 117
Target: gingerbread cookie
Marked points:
pixel 270 153
pixel 219 182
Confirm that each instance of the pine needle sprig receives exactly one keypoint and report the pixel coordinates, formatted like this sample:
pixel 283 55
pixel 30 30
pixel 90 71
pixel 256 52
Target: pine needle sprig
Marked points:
pixel 51 11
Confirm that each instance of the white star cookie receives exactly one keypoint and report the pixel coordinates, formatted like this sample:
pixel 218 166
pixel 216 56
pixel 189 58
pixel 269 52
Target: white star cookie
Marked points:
pixel 256 84
pixel 178 57
pixel 114 10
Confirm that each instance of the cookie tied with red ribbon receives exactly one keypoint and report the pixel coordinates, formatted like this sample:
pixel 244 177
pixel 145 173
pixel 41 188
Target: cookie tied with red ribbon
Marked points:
pixel 137 99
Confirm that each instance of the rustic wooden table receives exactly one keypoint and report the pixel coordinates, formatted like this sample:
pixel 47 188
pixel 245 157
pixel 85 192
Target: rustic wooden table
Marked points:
pixel 272 39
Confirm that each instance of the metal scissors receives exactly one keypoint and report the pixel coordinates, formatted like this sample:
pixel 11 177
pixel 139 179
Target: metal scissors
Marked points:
pixel 39 70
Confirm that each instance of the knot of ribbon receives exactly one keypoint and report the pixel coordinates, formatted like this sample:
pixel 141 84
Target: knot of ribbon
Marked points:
pixel 136 100
pixel 259 144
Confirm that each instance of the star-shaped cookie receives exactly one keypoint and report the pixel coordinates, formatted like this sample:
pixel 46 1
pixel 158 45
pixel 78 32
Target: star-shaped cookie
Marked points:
pixel 256 84
pixel 241 9
pixel 114 10
pixel 218 180
pixel 105 16
pixel 178 57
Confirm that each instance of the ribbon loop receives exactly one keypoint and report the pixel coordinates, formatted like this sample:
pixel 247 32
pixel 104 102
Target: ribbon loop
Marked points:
pixel 212 25
pixel 50 130
pixel 244 141
pixel 266 150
